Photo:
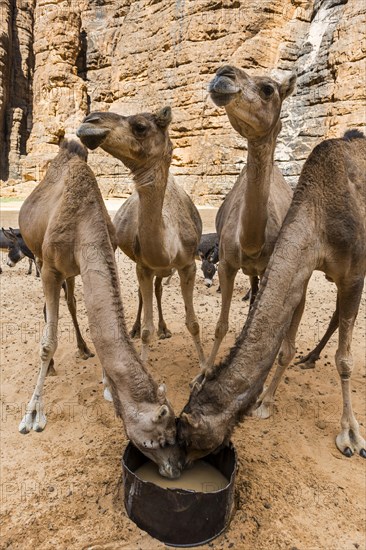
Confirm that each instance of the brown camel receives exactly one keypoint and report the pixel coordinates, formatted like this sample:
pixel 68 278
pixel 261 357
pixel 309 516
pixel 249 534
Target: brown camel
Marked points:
pixel 158 227
pixel 250 218
pixel 325 229
pixel 65 223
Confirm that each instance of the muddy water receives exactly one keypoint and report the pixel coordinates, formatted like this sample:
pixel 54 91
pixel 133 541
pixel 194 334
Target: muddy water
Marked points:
pixel 201 477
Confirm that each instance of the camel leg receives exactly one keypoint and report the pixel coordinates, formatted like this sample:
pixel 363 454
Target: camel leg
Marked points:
pixel 34 417
pixel 226 277
pixel 145 277
pixel 163 331
pixel 308 362
pixel 38 268
pixel 187 277
pixel 29 272
pixel 84 351
pixel 285 356
pixel 349 439
pixel 51 367
pixel 135 332
pixel 168 279
pixel 254 286
pixel 246 296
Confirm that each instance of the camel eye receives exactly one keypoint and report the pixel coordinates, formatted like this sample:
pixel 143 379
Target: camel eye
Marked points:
pixel 267 90
pixel 139 128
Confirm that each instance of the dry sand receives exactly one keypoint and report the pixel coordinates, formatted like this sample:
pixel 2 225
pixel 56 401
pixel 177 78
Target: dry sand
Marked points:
pixel 61 488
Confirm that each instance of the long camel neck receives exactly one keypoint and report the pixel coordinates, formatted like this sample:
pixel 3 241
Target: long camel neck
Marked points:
pixel 106 319
pixel 254 214
pixel 151 186
pixel 241 376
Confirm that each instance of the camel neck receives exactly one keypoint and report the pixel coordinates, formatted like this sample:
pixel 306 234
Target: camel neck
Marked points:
pixel 291 265
pixel 151 186
pixel 254 214
pixel 106 317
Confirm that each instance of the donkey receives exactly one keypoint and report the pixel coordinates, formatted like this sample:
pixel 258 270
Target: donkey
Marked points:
pixel 12 241
pixel 208 253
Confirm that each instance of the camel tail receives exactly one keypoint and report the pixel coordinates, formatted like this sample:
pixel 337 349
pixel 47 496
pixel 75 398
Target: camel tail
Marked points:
pixel 353 134
pixel 73 147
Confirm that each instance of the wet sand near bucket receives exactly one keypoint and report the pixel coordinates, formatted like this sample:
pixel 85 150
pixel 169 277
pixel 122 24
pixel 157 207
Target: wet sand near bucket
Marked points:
pixel 201 477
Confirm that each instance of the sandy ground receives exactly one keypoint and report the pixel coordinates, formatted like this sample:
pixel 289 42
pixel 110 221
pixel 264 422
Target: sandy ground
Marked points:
pixel 62 488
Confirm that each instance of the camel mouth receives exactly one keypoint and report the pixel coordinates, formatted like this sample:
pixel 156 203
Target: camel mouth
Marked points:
pixel 222 99
pixel 166 470
pixel 223 89
pixel 223 85
pixel 91 136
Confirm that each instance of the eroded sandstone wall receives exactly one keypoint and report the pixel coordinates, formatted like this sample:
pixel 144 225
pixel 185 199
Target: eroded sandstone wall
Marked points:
pixel 16 77
pixel 139 55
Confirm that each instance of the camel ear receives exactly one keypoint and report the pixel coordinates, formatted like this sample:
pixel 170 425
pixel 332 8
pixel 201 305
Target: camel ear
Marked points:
pixel 287 85
pixel 191 420
pixel 164 117
pixel 161 394
pixel 161 413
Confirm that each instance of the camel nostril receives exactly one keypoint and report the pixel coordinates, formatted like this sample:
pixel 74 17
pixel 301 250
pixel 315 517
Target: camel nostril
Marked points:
pixel 226 71
pixel 92 118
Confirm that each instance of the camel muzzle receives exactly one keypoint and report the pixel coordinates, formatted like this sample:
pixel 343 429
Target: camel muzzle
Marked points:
pixel 91 136
pixel 222 90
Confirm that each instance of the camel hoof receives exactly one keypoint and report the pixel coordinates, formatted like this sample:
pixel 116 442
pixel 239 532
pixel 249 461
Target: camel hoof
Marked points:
pixel 33 420
pixel 263 411
pixel 164 333
pixel 135 333
pixel 347 452
pixel 198 382
pixel 107 395
pixel 23 429
pixel 363 453
pixel 307 366
pixel 307 362
pixel 26 423
pixel 39 427
pixel 85 353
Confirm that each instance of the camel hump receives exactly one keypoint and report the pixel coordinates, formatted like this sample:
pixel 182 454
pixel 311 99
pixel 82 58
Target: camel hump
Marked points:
pixel 353 134
pixel 73 147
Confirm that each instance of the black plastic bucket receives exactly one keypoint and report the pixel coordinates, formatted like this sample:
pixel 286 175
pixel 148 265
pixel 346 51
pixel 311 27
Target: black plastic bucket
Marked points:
pixel 179 517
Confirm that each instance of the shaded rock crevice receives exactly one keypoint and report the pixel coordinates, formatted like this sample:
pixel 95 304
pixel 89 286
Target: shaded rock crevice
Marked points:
pixel 17 75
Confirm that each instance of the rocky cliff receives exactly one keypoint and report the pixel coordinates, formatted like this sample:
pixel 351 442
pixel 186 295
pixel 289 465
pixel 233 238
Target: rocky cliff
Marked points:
pixel 61 59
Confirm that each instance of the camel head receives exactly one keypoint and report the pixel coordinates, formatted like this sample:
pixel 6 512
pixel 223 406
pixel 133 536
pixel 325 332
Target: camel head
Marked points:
pixel 152 429
pixel 253 104
pixel 138 140
pixel 201 434
pixel 204 426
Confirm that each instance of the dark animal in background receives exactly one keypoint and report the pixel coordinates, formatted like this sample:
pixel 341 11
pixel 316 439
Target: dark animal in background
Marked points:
pixel 208 253
pixel 12 241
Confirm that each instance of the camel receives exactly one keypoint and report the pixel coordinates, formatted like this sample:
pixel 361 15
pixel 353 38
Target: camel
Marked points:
pixel 158 227
pixel 250 218
pixel 325 229
pixel 66 225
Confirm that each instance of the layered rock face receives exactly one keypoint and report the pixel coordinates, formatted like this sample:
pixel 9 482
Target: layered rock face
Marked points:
pixel 61 60
pixel 16 73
